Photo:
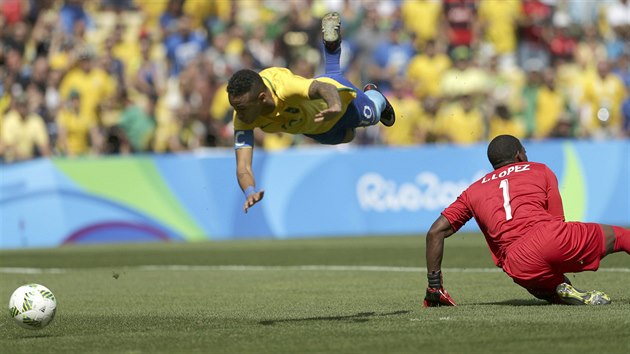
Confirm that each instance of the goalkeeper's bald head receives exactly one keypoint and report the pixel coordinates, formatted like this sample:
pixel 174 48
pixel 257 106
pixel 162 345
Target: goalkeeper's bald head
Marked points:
pixel 504 150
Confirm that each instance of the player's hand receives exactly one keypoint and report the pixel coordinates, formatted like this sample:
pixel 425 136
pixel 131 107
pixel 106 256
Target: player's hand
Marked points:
pixel 436 295
pixel 253 199
pixel 328 113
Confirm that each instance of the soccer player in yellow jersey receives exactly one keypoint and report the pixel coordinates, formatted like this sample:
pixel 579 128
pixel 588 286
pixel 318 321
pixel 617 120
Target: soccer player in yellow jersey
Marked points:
pixel 326 109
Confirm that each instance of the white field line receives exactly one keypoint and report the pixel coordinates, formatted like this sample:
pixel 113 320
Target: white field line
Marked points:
pixel 249 268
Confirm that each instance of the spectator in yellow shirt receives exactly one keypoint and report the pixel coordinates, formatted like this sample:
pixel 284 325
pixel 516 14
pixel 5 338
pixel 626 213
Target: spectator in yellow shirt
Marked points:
pixel 93 84
pixel 498 20
pixel 503 122
pixel 408 108
pixel 550 106
pixel 428 28
pixel 603 95
pixel 211 11
pixel 429 121
pixel 425 70
pixel 463 122
pixel 24 135
pixel 76 130
pixel 151 11
pixel 464 78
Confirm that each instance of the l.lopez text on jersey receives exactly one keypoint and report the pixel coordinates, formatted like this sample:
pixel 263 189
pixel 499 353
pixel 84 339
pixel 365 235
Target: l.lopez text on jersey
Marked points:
pixel 504 173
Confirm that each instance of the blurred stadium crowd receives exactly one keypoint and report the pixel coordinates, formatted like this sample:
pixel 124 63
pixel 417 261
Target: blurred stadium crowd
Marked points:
pixel 83 77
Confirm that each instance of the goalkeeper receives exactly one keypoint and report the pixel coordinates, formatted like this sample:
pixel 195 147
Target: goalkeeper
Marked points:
pixel 519 210
pixel 327 108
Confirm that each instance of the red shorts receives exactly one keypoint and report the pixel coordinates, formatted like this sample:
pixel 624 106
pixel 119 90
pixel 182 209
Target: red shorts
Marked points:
pixel 539 259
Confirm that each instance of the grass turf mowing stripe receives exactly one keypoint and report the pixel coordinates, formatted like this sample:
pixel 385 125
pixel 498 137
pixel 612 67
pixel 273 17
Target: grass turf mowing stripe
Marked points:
pixel 343 268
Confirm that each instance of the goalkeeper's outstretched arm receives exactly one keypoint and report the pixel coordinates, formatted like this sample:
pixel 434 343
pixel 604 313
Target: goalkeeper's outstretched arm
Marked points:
pixel 440 230
pixel 436 295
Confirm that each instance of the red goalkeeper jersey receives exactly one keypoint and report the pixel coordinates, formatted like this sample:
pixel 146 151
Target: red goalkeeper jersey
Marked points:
pixel 507 203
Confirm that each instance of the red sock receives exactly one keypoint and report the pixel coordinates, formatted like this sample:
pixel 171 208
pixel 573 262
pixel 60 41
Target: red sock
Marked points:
pixel 622 239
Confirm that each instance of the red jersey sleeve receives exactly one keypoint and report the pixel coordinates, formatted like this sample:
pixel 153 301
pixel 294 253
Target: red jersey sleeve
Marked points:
pixel 554 200
pixel 458 213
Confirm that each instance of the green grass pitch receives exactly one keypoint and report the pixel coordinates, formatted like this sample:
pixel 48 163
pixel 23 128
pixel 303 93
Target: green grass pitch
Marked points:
pixel 335 295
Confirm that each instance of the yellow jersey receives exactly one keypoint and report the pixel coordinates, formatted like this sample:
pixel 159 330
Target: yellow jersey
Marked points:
pixel 498 126
pixel 295 111
pixel 426 72
pixel 404 131
pixel 549 109
pixel 604 94
pixel 93 87
pixel 461 127
pixel 500 20
pixel 77 128
pixel 20 136
pixel 431 12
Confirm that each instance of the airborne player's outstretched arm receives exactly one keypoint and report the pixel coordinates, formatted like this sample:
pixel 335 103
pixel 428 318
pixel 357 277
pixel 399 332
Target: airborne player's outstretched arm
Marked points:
pixel 245 176
pixel 329 94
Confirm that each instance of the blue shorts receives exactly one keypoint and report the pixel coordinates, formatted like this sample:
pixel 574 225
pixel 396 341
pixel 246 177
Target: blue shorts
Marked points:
pixel 361 112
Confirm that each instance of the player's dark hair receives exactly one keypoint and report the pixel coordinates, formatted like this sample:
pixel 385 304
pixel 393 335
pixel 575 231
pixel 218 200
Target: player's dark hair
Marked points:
pixel 243 81
pixel 503 150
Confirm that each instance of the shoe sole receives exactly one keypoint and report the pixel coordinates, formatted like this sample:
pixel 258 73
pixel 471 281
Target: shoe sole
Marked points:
pixel 570 295
pixel 330 27
pixel 388 122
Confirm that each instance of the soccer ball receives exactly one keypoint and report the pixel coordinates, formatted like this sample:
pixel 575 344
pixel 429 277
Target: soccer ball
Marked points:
pixel 32 306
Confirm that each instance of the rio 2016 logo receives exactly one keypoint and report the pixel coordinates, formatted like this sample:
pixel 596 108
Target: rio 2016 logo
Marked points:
pixel 426 191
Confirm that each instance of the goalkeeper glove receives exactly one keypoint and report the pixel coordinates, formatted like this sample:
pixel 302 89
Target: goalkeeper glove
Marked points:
pixel 436 295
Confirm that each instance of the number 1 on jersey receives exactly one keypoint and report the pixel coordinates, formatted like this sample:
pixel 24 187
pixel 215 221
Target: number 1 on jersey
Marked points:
pixel 506 199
